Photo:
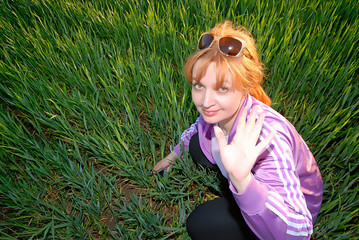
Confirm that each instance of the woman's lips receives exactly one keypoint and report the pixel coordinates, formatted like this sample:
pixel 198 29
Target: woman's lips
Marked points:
pixel 209 113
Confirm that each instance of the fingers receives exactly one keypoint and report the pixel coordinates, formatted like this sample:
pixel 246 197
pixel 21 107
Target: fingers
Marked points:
pixel 222 143
pixel 164 163
pixel 252 116
pixel 250 127
pixel 263 144
pixel 247 121
pixel 160 170
pixel 242 120
pixel 157 167
pixel 257 128
pixel 249 124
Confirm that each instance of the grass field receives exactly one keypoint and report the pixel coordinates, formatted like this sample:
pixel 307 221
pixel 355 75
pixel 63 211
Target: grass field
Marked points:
pixel 93 94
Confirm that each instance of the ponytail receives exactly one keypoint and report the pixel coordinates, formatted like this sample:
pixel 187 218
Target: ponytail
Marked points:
pixel 258 93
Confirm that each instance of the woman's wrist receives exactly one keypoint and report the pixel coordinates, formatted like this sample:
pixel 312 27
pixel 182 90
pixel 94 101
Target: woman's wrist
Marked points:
pixel 240 184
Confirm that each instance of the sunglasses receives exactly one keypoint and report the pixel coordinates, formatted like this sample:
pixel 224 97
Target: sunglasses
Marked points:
pixel 230 46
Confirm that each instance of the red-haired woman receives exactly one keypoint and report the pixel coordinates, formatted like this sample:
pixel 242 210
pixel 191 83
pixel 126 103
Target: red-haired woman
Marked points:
pixel 274 182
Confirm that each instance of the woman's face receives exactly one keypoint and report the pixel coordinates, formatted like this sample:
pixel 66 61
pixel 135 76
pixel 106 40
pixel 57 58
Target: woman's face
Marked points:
pixel 216 105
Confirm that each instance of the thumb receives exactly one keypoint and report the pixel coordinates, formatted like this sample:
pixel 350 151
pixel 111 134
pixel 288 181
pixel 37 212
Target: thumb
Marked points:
pixel 222 143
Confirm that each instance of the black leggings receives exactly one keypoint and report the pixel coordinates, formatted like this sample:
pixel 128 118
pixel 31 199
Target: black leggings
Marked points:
pixel 220 218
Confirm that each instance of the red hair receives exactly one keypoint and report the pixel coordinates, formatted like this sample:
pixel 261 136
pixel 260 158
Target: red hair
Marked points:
pixel 247 69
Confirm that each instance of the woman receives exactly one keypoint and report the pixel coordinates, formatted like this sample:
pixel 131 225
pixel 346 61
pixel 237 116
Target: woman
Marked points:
pixel 274 182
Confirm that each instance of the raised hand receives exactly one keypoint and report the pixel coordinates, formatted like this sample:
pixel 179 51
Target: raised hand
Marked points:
pixel 239 156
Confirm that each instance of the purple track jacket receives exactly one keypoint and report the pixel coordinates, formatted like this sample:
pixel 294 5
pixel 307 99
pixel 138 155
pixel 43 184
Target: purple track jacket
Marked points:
pixel 283 199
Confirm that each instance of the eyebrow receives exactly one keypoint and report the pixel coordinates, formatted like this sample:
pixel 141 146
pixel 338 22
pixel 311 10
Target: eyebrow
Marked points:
pixel 194 79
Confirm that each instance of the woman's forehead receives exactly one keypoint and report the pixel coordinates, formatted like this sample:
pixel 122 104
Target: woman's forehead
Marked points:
pixel 200 68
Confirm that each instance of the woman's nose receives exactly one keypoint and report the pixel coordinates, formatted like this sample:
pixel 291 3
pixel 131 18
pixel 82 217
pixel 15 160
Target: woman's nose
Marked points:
pixel 207 99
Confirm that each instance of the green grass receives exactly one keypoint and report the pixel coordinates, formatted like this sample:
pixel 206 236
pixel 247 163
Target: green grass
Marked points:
pixel 93 95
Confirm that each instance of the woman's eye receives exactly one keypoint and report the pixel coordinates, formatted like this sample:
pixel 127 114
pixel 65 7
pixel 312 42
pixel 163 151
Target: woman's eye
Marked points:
pixel 223 89
pixel 197 86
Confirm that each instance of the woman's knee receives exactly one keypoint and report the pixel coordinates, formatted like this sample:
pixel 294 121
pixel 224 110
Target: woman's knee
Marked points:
pixel 218 219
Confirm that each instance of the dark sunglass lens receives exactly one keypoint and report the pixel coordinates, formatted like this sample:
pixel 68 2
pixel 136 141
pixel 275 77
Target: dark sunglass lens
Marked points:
pixel 205 41
pixel 230 46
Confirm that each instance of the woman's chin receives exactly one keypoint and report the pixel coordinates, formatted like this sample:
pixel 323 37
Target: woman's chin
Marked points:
pixel 209 120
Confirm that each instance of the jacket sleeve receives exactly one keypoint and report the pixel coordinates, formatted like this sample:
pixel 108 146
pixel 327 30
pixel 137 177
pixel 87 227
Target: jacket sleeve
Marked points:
pixel 186 137
pixel 273 204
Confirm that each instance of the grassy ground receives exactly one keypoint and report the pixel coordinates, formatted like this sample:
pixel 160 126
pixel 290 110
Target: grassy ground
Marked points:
pixel 93 95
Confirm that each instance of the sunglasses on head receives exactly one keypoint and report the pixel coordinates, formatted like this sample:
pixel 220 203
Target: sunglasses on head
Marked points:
pixel 230 46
